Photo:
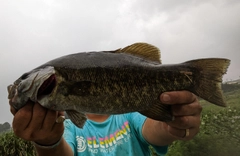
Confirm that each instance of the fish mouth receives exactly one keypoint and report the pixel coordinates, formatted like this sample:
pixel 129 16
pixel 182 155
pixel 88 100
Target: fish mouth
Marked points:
pixel 47 87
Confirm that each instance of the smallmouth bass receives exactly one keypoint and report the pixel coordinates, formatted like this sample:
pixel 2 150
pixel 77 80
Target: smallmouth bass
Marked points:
pixel 115 82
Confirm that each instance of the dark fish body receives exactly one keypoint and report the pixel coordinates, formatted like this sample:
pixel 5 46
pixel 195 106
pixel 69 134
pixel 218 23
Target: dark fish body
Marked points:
pixel 115 82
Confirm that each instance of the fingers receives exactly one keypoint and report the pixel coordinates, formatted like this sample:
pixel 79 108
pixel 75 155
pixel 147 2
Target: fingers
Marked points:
pixel 186 110
pixel 22 119
pixel 185 122
pixel 50 120
pixel 192 108
pixel 36 123
pixel 183 134
pixel 180 124
pixel 12 109
pixel 50 127
pixel 177 97
pixel 38 117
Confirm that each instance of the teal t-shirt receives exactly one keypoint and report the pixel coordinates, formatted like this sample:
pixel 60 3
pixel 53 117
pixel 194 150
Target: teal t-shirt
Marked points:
pixel 118 135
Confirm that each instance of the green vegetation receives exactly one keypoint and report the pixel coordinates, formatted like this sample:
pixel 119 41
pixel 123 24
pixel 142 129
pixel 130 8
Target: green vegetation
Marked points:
pixel 219 134
pixel 220 129
pixel 10 145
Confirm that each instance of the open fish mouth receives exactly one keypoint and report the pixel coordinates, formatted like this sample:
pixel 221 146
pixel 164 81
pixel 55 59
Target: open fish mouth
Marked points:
pixel 33 86
pixel 47 87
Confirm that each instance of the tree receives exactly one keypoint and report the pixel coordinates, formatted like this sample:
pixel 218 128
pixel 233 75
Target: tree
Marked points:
pixel 4 127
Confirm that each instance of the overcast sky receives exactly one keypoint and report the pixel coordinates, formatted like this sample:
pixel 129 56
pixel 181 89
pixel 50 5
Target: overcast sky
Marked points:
pixel 35 31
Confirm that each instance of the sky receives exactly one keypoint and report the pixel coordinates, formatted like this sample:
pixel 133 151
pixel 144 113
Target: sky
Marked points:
pixel 33 32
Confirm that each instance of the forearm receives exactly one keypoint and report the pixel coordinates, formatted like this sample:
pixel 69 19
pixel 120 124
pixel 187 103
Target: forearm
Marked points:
pixel 62 149
pixel 155 132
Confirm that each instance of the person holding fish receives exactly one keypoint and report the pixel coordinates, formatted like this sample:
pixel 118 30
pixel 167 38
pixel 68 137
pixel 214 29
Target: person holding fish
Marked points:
pixel 38 124
pixel 117 102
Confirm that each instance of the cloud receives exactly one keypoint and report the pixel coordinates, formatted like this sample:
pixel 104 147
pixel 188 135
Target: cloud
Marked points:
pixel 33 32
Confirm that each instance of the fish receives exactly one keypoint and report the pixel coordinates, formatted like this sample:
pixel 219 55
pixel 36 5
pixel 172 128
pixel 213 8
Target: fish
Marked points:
pixel 119 81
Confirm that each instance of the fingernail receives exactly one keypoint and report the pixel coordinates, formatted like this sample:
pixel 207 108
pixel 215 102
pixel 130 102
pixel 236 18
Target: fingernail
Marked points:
pixel 168 129
pixel 166 98
pixel 60 119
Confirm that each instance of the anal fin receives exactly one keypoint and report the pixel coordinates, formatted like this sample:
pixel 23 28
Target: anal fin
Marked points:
pixel 159 111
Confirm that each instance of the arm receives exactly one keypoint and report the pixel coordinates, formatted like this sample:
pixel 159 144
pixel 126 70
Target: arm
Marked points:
pixel 186 109
pixel 35 123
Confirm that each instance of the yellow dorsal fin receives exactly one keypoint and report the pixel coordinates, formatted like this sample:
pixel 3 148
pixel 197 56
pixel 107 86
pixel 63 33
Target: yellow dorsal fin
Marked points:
pixel 143 50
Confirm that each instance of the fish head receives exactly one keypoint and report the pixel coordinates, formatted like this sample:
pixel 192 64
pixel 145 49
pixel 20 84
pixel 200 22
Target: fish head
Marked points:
pixel 32 86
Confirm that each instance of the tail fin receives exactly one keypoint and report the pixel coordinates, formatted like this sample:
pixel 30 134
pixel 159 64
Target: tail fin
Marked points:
pixel 210 79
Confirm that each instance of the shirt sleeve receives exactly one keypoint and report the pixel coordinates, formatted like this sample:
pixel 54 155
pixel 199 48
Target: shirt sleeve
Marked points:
pixel 137 120
pixel 160 150
pixel 69 134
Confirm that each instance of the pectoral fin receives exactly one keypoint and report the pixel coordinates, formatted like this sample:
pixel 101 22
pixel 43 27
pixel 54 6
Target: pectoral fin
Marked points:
pixel 77 118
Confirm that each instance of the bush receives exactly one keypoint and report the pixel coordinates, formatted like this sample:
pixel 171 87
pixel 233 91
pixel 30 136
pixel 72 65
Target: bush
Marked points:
pixel 219 136
pixel 10 145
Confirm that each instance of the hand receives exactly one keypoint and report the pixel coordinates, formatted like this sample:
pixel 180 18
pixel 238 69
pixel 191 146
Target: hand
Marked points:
pixel 186 110
pixel 36 123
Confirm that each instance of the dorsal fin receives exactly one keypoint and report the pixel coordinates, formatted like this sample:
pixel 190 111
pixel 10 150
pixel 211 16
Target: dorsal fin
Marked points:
pixel 143 50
